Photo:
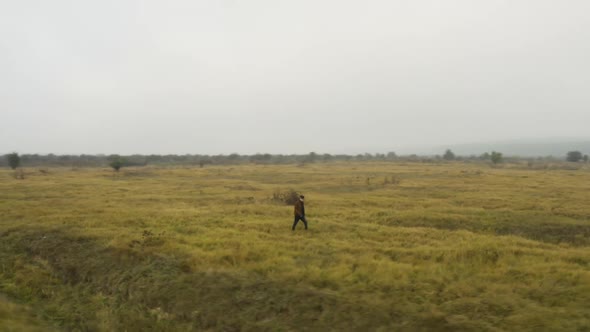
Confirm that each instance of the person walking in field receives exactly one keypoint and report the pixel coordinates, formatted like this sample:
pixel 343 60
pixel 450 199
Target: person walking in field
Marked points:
pixel 299 212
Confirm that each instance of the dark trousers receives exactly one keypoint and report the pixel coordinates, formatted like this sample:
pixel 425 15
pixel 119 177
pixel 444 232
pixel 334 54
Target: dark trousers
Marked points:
pixel 297 218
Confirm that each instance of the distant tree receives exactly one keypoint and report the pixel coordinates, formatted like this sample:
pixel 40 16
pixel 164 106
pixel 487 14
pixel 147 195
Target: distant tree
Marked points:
pixel 116 162
pixel 496 157
pixel 391 155
pixel 13 160
pixel 574 156
pixel 485 156
pixel 312 157
pixel 585 158
pixel 449 155
pixel 233 157
pixel 261 158
pixel 205 160
pixel 380 156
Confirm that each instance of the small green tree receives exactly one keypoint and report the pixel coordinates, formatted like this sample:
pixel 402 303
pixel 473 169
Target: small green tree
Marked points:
pixel 496 157
pixel 13 160
pixel 574 156
pixel 116 162
pixel 449 155
pixel 585 158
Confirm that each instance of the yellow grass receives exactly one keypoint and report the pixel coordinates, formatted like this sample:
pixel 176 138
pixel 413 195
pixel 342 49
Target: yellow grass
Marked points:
pixel 391 246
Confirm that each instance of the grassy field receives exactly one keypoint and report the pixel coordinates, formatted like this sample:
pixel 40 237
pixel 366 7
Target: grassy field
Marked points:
pixel 391 246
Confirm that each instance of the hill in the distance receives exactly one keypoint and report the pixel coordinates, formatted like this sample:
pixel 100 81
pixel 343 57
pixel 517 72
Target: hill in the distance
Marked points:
pixel 524 148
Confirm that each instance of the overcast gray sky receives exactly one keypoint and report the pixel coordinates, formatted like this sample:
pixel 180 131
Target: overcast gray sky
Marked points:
pixel 223 76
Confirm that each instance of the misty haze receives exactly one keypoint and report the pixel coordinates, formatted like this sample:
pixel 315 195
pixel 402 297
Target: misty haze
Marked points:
pixel 326 76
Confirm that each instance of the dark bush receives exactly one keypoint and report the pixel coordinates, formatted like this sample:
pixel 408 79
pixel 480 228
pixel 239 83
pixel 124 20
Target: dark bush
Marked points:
pixel 574 156
pixel 13 160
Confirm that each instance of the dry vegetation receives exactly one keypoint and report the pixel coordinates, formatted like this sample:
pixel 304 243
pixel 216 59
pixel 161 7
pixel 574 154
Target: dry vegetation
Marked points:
pixel 391 246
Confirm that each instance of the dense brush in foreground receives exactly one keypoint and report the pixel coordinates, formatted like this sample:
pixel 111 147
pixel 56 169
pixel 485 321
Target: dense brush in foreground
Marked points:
pixel 390 247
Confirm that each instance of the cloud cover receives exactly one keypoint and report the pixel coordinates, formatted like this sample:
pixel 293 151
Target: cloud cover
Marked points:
pixel 289 76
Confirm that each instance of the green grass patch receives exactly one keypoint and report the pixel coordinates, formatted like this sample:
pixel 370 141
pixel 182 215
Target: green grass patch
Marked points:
pixel 390 247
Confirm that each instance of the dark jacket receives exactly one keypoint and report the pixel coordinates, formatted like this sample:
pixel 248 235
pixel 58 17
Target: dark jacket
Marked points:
pixel 299 209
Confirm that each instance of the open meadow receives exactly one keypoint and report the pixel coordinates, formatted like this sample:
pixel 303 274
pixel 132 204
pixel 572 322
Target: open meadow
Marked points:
pixel 390 246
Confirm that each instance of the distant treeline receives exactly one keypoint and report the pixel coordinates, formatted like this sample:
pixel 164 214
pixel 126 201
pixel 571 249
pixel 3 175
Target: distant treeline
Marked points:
pixel 38 160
